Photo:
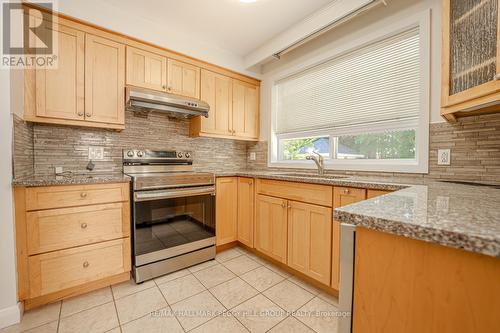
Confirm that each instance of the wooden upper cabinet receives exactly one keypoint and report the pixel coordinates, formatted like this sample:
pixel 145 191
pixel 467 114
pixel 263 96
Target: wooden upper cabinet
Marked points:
pixel 246 211
pixel 104 80
pixel 470 79
pixel 59 92
pixel 226 214
pixel 245 110
pixel 309 240
pixel 271 227
pixel 183 79
pixel 146 69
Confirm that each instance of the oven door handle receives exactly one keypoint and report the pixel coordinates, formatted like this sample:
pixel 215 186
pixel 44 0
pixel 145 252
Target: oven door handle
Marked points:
pixel 169 194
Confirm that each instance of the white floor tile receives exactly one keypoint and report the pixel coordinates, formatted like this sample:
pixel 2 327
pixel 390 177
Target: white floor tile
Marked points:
pixel 228 255
pixel 314 315
pixel 258 314
pixel 214 275
pixel 86 301
pixel 203 265
pixel 139 304
pixel 172 276
pixel 181 288
pixel 233 292
pixel 162 321
pixel 99 319
pixel 288 295
pixel 262 278
pixel 129 287
pixel 197 310
pixel 291 325
pixel 36 318
pixel 241 265
pixel 301 283
pixel 224 323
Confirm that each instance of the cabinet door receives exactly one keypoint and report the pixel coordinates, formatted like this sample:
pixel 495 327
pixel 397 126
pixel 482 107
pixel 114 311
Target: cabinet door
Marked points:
pixel 342 196
pixel 309 240
pixel 104 80
pixel 183 79
pixel 468 27
pixel 245 110
pixel 271 227
pixel 146 69
pixel 216 90
pixel 60 91
pixel 245 211
pixel 226 212
pixel 375 193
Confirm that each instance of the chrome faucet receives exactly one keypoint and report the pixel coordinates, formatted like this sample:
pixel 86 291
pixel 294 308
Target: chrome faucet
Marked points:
pixel 320 162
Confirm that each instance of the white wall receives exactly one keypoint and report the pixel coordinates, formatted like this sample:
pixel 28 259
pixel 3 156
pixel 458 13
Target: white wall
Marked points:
pixel 377 19
pixel 9 309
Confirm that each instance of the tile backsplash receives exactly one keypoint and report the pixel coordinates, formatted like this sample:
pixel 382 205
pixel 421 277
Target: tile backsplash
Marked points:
pixel 38 149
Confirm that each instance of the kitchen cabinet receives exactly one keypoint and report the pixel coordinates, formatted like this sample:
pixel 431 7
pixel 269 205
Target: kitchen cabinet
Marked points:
pixel 95 223
pixel 470 79
pixel 183 79
pixel 245 120
pixel 59 92
pixel 309 240
pixel 342 196
pixel 146 69
pixel 104 80
pixel 271 227
pixel 245 211
pixel 375 193
pixel 226 212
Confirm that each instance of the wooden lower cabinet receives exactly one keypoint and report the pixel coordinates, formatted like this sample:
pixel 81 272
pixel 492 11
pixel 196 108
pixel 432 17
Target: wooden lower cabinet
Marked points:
pixel 245 211
pixel 226 212
pixel 309 240
pixel 375 193
pixel 271 227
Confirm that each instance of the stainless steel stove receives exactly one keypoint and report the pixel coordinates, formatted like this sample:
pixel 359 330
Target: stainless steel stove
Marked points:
pixel 173 212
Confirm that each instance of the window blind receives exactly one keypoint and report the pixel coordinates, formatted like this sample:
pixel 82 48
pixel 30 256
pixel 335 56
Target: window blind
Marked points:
pixel 379 82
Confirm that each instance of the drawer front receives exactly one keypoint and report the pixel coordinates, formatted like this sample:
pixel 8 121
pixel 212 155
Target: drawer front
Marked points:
pixel 79 225
pixel 303 192
pixel 55 271
pixel 75 195
pixel 343 196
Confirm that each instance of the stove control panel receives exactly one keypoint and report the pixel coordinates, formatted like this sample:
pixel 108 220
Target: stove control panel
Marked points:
pixel 165 155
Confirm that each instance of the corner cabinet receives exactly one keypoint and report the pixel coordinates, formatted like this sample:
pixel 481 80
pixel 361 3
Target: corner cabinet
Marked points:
pixel 234 108
pixel 470 58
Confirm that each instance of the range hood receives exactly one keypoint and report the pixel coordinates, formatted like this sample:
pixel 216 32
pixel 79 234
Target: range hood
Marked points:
pixel 138 99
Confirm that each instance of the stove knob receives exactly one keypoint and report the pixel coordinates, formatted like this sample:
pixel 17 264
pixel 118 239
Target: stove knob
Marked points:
pixel 179 154
pixel 130 153
pixel 140 153
pixel 188 155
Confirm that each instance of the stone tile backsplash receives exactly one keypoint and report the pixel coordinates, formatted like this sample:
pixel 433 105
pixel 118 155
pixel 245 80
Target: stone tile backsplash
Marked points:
pixel 474 143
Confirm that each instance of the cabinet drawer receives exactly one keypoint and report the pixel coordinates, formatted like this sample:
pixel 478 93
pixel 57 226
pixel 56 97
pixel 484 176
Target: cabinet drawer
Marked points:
pixel 75 195
pixel 55 271
pixel 79 225
pixel 310 193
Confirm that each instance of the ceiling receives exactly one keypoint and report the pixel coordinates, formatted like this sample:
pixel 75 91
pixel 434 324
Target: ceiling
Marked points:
pixel 227 24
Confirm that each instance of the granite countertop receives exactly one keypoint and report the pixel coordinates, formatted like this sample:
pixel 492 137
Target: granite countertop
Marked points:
pixel 71 179
pixel 455 215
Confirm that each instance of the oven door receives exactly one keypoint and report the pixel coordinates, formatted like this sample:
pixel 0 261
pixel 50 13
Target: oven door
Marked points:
pixel 172 222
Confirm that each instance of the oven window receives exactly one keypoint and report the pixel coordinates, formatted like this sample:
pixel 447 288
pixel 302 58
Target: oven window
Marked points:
pixel 163 224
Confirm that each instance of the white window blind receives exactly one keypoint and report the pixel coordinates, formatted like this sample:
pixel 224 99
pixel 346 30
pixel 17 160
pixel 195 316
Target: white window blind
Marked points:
pixel 379 82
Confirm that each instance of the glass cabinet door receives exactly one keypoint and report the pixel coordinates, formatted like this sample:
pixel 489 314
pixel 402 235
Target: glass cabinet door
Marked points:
pixel 472 48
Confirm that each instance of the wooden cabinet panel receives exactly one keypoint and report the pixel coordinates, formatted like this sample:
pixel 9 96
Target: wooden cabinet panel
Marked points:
pixel 146 69
pixel 60 92
pixel 342 196
pixel 216 90
pixel 245 110
pixel 271 227
pixel 80 226
pixel 310 193
pixel 55 271
pixel 75 195
pixel 246 211
pixel 375 193
pixel 226 213
pixel 309 240
pixel 183 79
pixel 104 80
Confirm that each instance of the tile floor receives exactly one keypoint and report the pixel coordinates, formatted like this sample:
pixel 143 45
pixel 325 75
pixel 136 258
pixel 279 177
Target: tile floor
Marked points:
pixel 236 292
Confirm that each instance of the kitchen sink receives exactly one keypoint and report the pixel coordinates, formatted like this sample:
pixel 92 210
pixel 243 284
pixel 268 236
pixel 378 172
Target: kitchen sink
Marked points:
pixel 310 175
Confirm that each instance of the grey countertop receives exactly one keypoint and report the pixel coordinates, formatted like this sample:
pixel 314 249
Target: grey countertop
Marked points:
pixel 459 216
pixel 71 179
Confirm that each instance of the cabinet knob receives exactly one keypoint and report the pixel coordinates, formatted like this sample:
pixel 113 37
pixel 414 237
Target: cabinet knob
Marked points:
pixel 88 115
pixel 83 194
pixel 169 88
pixel 80 114
pixel 346 191
pixel 163 87
pixel 289 206
pixel 84 225
pixel 85 264
pixel 283 205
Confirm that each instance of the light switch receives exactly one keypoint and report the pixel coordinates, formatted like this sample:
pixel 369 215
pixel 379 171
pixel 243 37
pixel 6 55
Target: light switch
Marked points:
pixel 444 156
pixel 96 153
pixel 253 156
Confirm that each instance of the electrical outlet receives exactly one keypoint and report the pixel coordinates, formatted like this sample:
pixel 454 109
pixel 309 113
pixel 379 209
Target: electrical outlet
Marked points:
pixel 253 156
pixel 58 170
pixel 444 156
pixel 96 153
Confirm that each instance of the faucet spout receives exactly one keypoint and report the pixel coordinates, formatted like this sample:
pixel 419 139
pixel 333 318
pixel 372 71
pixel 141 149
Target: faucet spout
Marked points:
pixel 319 160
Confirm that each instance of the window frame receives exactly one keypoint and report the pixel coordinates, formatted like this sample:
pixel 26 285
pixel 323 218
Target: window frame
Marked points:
pixel 420 124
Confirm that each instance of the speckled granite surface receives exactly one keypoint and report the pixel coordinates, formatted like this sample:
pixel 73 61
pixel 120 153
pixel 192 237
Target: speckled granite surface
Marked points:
pixel 460 216
pixel 71 179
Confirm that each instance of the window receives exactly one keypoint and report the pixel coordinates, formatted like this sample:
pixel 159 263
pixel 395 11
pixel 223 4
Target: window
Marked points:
pixel 361 110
